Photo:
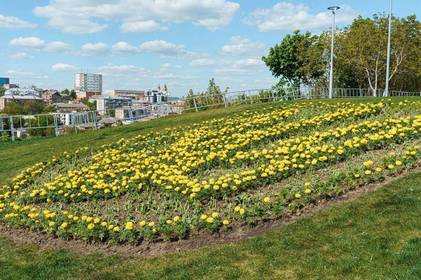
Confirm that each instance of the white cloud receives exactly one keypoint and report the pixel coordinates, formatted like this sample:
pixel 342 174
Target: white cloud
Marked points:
pixel 290 16
pixel 243 47
pixel 141 26
pixel 202 62
pixel 20 55
pixel 166 49
pixel 249 66
pixel 124 47
pixel 62 67
pixel 57 46
pixel 121 69
pixel 14 22
pixel 89 16
pixel 28 42
pixel 94 49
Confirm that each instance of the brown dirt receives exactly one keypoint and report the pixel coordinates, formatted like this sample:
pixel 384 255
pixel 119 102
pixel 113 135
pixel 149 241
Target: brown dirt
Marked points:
pixel 151 249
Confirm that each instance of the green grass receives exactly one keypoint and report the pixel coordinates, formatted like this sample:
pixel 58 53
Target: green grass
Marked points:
pixel 375 237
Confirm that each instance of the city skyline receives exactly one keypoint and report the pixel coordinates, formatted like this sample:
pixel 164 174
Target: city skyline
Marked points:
pixel 140 44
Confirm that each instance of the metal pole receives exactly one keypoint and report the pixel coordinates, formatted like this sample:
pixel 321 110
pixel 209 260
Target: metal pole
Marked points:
pixel 386 90
pixel 12 129
pixel 195 105
pixel 332 55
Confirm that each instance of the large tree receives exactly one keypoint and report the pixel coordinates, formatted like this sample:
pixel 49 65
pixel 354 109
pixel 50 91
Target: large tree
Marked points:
pixel 298 59
pixel 362 50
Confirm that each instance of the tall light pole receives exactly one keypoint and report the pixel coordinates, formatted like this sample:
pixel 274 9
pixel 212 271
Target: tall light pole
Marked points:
pixel 386 89
pixel 333 9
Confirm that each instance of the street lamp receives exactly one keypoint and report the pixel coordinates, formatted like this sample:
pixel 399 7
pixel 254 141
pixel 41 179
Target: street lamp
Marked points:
pixel 333 9
pixel 386 89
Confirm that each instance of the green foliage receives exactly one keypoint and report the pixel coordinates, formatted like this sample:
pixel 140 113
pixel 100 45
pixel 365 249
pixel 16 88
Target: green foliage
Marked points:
pixel 28 108
pixel 360 51
pixel 91 105
pixel 298 59
pixel 210 98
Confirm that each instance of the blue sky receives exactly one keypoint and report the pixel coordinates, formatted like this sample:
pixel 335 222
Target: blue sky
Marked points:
pixel 138 44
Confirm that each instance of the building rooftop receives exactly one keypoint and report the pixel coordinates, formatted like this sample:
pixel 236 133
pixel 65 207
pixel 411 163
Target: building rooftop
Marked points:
pixel 21 97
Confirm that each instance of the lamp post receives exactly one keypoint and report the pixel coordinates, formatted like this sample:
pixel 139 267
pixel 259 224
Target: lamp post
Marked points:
pixel 386 89
pixel 333 9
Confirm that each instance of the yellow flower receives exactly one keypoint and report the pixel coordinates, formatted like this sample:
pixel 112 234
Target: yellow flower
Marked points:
pixel 226 222
pixel 398 163
pixel 242 211
pixel 64 225
pixel 91 226
pixel 116 229
pixel 203 217
pixel 129 226
pixel 307 191
pixel 142 223
pixel 368 163
pixel 266 199
pixel 210 220
pixel 237 209
pixel 297 195
pixel 215 215
pixel 176 218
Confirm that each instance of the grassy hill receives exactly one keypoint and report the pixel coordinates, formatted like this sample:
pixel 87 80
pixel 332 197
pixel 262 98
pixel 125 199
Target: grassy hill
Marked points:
pixel 217 172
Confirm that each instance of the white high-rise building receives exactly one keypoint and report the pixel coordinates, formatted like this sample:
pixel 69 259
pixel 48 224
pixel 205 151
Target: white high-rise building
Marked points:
pixel 88 85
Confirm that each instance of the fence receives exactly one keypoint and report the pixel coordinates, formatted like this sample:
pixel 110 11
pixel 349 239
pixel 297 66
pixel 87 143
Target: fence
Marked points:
pixel 226 99
pixel 56 123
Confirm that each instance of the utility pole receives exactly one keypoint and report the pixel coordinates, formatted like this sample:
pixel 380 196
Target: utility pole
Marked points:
pixel 389 35
pixel 333 9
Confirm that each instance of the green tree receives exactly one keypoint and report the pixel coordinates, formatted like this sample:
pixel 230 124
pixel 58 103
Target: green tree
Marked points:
pixel 73 94
pixel 2 90
pixel 298 59
pixel 361 54
pixel 91 105
pixel 65 92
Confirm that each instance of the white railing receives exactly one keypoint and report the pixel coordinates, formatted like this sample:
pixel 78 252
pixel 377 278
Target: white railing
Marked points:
pixel 226 99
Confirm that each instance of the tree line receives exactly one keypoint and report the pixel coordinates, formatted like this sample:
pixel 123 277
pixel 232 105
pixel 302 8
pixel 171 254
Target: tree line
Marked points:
pixel 360 56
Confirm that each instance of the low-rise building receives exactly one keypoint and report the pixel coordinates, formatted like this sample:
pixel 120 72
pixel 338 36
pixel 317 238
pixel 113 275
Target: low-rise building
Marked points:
pixel 132 94
pixel 20 99
pixel 4 81
pixel 51 96
pixel 130 113
pixel 70 107
pixel 156 97
pixel 104 104
pixel 22 92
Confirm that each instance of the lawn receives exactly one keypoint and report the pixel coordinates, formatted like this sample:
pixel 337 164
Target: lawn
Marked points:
pixel 223 171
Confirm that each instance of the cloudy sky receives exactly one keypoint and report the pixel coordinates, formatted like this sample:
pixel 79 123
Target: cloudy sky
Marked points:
pixel 138 44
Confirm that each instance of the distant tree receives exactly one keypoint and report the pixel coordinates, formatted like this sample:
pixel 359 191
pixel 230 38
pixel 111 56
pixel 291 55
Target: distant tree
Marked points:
pixel 29 108
pixel 2 90
pixel 91 105
pixel 165 88
pixel 73 94
pixel 65 92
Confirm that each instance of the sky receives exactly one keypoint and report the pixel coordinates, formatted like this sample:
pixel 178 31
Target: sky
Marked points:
pixel 139 44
